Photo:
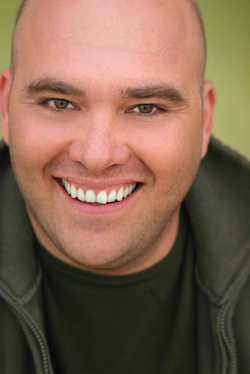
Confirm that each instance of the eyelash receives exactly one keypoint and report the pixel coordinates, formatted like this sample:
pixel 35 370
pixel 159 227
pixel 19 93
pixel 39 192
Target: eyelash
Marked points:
pixel 57 110
pixel 155 113
pixel 45 103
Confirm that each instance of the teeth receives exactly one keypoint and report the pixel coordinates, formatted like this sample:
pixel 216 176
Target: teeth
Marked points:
pixel 101 198
pixel 119 196
pixel 90 197
pixel 81 195
pixel 73 191
pixel 68 188
pixel 125 193
pixel 112 196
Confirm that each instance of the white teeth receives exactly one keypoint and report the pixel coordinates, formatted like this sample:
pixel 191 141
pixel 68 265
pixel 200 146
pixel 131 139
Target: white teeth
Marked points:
pixel 101 197
pixel 90 197
pixel 125 193
pixel 112 196
pixel 119 196
pixel 68 188
pixel 81 195
pixel 73 191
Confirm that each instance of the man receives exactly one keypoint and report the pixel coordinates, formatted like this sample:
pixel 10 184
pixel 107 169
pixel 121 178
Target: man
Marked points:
pixel 110 262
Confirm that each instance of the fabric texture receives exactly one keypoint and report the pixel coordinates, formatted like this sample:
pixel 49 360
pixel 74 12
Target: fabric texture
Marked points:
pixel 140 323
pixel 218 207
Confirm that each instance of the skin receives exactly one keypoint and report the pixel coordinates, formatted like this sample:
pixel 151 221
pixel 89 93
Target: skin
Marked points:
pixel 100 141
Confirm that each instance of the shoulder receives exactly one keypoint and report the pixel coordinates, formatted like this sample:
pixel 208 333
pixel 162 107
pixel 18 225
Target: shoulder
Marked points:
pixel 223 159
pixel 223 177
pixel 218 205
pixel 4 156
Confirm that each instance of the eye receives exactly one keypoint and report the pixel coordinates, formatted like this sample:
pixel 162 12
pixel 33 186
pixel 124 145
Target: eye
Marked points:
pixel 60 104
pixel 145 109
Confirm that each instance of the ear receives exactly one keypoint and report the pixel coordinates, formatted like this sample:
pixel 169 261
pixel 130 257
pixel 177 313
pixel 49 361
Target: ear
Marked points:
pixel 209 100
pixel 5 86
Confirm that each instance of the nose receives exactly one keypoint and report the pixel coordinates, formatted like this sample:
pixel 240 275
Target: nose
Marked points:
pixel 99 144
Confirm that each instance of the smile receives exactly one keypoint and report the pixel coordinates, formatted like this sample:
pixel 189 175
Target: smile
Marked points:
pixel 102 197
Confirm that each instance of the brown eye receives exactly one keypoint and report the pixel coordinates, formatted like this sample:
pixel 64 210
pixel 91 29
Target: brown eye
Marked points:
pixel 145 108
pixel 61 104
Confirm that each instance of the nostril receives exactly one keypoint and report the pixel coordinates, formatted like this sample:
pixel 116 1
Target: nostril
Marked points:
pixel 97 156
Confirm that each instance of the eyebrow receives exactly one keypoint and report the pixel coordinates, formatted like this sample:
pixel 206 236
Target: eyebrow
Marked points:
pixel 48 85
pixel 156 92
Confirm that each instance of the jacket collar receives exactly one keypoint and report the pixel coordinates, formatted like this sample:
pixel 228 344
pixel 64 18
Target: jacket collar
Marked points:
pixel 19 269
pixel 218 205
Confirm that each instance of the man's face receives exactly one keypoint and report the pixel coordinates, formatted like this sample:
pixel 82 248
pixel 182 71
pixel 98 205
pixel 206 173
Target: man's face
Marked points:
pixel 106 95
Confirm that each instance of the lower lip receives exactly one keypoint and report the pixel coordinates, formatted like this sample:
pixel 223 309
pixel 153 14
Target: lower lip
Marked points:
pixel 84 208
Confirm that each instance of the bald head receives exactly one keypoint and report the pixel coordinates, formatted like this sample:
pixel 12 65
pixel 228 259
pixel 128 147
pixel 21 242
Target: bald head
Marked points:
pixel 18 17
pixel 190 3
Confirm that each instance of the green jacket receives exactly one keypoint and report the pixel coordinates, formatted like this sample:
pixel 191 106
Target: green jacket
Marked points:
pixel 218 205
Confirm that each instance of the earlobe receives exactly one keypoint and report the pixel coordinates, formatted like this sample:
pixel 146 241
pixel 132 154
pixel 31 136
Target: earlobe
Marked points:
pixel 209 100
pixel 5 86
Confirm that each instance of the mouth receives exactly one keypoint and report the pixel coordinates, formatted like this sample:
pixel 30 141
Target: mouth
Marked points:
pixel 102 197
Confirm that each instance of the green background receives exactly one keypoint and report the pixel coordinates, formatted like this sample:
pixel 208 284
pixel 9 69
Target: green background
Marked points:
pixel 227 24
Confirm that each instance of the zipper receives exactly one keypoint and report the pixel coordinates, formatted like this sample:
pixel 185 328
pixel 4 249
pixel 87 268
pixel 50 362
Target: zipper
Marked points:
pixel 232 367
pixel 32 328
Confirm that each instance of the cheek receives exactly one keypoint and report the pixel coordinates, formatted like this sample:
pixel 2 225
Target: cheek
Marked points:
pixel 173 156
pixel 35 143
pixel 170 149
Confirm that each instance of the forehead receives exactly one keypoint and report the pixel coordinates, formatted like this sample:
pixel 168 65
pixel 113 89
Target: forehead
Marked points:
pixel 116 36
pixel 129 19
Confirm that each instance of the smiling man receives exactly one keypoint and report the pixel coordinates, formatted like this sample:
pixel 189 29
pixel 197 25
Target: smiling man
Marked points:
pixel 110 263
pixel 110 109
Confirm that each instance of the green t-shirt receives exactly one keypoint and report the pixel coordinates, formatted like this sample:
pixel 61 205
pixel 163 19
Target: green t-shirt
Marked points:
pixel 142 323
